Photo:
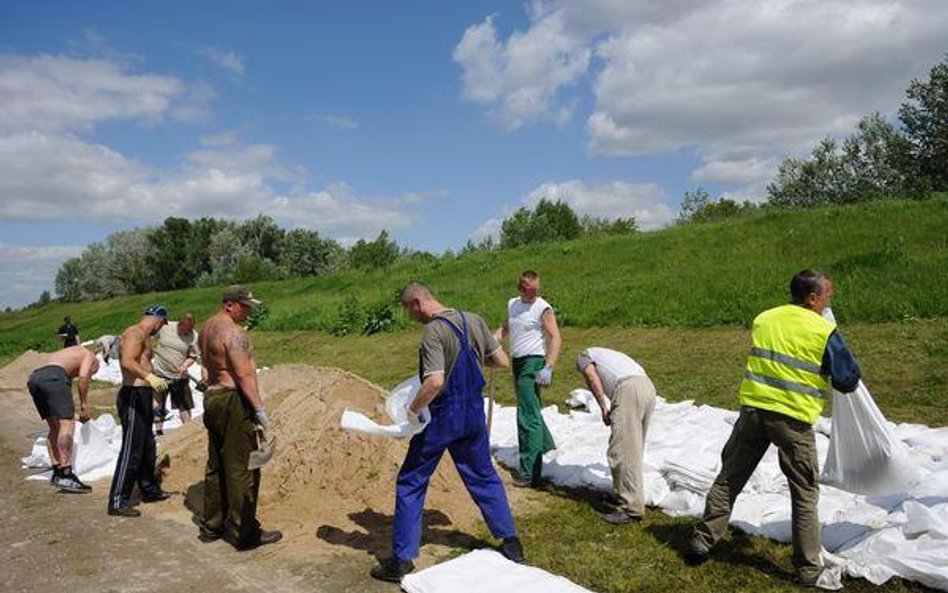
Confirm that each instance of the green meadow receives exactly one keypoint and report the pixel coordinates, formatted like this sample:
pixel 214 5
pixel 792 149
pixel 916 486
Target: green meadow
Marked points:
pixel 679 300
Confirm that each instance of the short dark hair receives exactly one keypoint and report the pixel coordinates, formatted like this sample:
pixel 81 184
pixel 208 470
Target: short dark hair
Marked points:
pixel 526 275
pixel 804 283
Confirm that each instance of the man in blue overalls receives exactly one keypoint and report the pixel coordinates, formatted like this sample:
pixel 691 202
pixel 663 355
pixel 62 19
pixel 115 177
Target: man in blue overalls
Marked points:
pixel 454 345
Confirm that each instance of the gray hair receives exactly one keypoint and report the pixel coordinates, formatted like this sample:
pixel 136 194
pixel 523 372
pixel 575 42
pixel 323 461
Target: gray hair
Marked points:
pixel 416 290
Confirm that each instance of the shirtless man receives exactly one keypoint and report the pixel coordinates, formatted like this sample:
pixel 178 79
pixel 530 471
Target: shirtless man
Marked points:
pixel 51 388
pixel 136 461
pixel 233 410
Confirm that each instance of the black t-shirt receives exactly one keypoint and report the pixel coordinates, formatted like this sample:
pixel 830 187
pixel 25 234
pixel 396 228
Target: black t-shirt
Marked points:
pixel 71 333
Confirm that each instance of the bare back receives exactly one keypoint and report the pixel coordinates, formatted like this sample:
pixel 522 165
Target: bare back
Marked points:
pixel 77 360
pixel 215 337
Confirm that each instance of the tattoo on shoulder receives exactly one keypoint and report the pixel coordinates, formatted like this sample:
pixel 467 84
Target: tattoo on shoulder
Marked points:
pixel 240 341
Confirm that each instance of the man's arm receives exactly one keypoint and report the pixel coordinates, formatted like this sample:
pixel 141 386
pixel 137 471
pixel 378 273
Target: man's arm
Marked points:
pixel 840 364
pixel 498 359
pixel 85 377
pixel 591 375
pixel 430 388
pixel 552 331
pixel 239 354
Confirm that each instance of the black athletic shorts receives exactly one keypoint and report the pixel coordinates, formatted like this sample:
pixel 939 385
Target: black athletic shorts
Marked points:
pixel 180 392
pixel 51 389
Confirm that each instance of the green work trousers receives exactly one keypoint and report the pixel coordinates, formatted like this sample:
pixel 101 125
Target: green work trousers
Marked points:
pixel 230 489
pixel 753 433
pixel 533 436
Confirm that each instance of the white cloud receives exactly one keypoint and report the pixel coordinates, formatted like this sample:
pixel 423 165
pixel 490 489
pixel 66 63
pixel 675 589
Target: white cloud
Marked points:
pixel 57 93
pixel 489 230
pixel 229 61
pixel 17 253
pixel 340 122
pixel 28 270
pixel 743 84
pixel 520 79
pixel 615 199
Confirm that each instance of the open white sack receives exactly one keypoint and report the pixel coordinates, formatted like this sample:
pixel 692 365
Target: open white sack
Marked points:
pixel 396 406
pixel 486 571
pixel 863 457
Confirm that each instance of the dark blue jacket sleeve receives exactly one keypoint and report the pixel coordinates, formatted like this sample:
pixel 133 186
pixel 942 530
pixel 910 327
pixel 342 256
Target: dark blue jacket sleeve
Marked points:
pixel 840 364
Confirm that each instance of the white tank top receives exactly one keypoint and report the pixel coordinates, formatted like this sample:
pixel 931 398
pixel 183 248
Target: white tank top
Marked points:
pixel 525 327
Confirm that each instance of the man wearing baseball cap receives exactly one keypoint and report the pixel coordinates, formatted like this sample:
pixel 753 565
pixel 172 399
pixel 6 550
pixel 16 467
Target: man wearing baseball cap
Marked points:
pixel 136 461
pixel 233 409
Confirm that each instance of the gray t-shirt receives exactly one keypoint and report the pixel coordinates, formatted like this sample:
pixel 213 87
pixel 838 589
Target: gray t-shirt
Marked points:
pixel 440 345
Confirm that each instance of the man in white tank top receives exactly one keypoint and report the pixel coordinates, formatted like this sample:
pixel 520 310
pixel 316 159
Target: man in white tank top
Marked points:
pixel 534 346
pixel 632 398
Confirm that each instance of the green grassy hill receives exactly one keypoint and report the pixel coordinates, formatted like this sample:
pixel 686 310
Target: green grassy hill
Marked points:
pixel 889 261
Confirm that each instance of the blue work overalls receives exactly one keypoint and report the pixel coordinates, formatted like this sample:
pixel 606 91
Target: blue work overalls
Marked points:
pixel 458 425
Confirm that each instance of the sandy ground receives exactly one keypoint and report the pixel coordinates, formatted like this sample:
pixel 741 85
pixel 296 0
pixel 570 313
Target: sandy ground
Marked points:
pixel 329 491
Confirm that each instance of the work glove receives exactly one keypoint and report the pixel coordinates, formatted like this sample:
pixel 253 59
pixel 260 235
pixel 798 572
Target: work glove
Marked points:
pixel 201 386
pixel 414 420
pixel 157 383
pixel 260 417
pixel 545 377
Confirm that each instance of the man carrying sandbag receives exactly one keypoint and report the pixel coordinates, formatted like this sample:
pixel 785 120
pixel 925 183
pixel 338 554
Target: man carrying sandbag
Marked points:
pixel 795 355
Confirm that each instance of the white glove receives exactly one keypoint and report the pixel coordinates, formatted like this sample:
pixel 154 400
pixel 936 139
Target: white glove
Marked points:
pixel 157 383
pixel 260 415
pixel 414 420
pixel 545 377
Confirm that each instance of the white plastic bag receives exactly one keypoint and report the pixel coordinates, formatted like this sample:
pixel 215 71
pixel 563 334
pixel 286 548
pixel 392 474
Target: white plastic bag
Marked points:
pixel 863 456
pixel 396 406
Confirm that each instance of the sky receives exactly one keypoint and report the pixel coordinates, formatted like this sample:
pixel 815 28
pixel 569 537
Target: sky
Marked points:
pixel 430 119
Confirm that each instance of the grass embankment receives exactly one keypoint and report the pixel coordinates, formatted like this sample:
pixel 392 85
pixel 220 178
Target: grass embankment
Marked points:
pixel 678 300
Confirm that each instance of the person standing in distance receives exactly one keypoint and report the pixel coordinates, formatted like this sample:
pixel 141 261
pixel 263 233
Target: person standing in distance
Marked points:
pixel 68 333
pixel 612 374
pixel 795 356
pixel 51 388
pixel 535 346
pixel 136 460
pixel 233 408
pixel 454 346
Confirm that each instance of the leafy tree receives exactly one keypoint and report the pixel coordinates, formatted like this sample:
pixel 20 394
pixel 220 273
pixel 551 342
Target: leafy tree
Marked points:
pixel 304 253
pixel 521 228
pixel 129 254
pixel 67 280
pixel 380 253
pixel 169 255
pixel 925 118
pixel 593 226
pixel 879 161
pixel 559 218
pixel 263 236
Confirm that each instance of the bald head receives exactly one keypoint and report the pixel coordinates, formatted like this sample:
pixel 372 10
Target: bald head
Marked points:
pixel 419 302
pixel 416 291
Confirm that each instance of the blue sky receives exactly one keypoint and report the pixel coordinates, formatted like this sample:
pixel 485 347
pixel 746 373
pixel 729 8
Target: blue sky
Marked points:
pixel 433 120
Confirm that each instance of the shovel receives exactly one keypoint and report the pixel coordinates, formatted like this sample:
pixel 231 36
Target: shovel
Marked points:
pixel 264 452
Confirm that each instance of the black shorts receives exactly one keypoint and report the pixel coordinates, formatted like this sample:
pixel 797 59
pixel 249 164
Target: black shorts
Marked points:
pixel 180 392
pixel 51 389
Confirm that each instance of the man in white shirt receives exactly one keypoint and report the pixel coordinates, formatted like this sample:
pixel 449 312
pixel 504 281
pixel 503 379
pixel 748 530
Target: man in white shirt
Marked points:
pixel 612 374
pixel 177 350
pixel 534 346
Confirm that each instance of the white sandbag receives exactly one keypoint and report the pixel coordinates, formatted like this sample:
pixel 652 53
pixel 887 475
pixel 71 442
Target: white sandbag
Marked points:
pixel 863 456
pixel 396 406
pixel 486 571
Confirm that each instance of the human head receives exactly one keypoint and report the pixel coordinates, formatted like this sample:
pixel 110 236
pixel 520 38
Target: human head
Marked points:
pixel 238 302
pixel 811 289
pixel 157 316
pixel 185 324
pixel 67 320
pixel 529 285
pixel 415 299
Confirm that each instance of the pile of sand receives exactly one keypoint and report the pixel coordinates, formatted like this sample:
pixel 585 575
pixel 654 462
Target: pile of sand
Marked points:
pixel 15 374
pixel 326 487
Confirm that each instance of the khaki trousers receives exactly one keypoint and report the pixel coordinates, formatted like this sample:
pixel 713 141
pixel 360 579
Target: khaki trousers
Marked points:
pixel 753 433
pixel 632 405
pixel 230 489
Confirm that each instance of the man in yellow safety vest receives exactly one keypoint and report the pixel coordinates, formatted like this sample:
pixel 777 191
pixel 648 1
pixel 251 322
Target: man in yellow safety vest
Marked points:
pixel 796 355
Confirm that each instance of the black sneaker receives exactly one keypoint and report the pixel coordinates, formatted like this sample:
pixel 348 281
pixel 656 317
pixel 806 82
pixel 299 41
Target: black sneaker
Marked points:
pixel 266 537
pixel 391 570
pixel 512 549
pixel 156 496
pixel 694 558
pixel 125 512
pixel 620 517
pixel 70 483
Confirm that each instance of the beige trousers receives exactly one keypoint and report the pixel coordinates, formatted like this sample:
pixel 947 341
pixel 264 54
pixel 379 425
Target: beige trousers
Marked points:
pixel 632 405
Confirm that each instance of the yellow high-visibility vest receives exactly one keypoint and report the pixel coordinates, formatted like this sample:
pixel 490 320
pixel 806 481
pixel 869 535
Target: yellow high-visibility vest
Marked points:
pixel 783 368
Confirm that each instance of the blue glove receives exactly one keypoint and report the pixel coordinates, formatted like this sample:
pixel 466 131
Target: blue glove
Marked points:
pixel 545 377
